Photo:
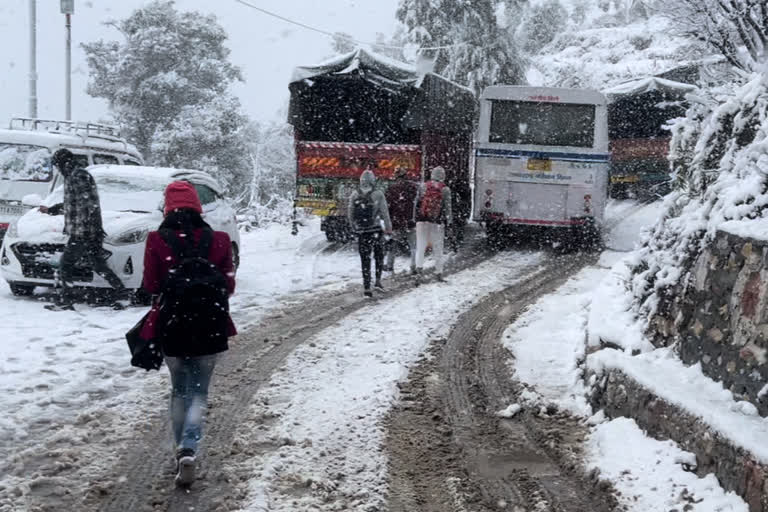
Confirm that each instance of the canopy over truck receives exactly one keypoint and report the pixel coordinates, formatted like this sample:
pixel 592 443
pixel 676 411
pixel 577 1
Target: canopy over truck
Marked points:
pixel 362 110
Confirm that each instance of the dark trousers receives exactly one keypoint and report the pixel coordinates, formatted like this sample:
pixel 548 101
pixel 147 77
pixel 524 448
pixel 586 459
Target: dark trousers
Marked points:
pixel 84 253
pixel 367 243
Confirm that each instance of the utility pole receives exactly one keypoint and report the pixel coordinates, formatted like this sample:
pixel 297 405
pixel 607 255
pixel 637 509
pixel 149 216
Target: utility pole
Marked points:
pixel 68 9
pixel 33 58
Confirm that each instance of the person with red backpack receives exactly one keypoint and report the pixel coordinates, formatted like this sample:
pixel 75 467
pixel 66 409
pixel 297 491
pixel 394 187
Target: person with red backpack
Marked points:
pixel 401 198
pixel 368 215
pixel 433 213
pixel 189 270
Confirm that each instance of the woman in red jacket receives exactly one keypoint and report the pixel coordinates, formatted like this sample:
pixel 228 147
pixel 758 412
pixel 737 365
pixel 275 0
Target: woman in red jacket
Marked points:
pixel 190 358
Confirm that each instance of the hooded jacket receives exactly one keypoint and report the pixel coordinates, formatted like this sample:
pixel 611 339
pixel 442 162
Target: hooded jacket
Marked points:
pixel 380 207
pixel 438 174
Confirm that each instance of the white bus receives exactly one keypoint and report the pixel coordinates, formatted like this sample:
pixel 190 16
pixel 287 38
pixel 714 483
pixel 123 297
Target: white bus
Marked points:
pixel 541 159
pixel 25 158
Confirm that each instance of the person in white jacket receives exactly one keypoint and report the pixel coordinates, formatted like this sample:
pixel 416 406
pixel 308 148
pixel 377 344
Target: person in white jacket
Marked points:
pixel 368 215
pixel 433 214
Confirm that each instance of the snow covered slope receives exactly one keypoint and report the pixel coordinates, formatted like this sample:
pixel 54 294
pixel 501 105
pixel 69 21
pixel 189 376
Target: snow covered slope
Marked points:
pixel 604 49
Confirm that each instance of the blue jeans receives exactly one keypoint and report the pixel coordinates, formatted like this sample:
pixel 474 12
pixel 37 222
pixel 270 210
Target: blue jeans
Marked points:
pixel 190 377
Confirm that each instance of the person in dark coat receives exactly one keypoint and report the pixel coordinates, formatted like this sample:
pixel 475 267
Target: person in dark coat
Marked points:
pixel 191 362
pixel 401 198
pixel 83 224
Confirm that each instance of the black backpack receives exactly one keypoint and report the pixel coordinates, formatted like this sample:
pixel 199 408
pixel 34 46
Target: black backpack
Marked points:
pixel 363 211
pixel 194 302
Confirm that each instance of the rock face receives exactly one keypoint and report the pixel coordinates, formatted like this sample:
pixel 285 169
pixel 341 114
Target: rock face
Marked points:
pixel 719 317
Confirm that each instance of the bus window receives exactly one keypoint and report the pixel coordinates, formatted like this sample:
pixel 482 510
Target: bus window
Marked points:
pixel 100 159
pixel 542 124
pixel 21 162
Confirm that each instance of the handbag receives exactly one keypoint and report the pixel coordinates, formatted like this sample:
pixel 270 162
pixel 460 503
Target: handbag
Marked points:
pixel 145 354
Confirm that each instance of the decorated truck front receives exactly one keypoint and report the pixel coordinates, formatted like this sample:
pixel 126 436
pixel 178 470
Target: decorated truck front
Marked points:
pixel 363 111
pixel 638 112
pixel 328 173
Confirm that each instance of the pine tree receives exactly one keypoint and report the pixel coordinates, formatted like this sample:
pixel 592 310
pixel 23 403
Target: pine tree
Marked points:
pixel 480 54
pixel 167 84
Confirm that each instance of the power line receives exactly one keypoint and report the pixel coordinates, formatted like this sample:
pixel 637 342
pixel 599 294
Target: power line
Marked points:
pixel 332 34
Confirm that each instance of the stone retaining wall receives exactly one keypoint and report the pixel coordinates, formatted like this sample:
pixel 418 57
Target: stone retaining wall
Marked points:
pixel 619 395
pixel 719 317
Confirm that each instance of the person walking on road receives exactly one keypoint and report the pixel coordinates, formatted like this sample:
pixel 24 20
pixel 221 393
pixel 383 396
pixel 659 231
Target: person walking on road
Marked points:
pixel 83 224
pixel 368 216
pixel 433 213
pixel 401 199
pixel 189 270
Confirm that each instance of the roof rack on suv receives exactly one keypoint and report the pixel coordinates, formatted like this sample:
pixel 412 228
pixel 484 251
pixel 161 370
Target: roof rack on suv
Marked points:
pixel 84 130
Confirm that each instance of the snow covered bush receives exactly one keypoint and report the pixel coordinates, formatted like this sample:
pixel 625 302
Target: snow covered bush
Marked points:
pixel 719 152
pixel 719 155
pixel 269 195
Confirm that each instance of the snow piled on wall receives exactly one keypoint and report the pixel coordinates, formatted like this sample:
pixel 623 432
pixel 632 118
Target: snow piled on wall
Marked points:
pixel 720 157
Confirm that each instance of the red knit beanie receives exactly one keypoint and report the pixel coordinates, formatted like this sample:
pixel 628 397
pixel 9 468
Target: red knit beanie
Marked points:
pixel 181 194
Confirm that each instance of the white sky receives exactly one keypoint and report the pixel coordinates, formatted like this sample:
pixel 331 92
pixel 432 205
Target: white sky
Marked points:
pixel 265 48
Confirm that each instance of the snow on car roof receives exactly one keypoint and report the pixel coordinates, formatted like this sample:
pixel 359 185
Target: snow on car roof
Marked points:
pixel 168 174
pixel 644 85
pixel 52 141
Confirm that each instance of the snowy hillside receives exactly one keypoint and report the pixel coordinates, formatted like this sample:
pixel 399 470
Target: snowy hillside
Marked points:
pixel 597 48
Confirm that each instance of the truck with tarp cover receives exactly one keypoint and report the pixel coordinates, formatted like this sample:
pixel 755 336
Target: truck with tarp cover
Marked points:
pixel 365 111
pixel 638 112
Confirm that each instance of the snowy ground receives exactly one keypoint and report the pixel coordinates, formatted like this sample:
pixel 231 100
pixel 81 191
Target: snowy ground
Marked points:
pixel 549 343
pixel 331 395
pixel 65 378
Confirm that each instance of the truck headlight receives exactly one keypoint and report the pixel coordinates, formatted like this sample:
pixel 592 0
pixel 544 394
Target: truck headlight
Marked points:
pixel 134 236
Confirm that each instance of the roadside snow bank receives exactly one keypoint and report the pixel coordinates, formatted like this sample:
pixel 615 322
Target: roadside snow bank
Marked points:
pixel 651 474
pixel 323 409
pixel 687 387
pixel 548 343
pixel 611 319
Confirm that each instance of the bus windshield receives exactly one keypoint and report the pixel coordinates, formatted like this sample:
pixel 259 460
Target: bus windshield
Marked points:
pixel 22 162
pixel 542 124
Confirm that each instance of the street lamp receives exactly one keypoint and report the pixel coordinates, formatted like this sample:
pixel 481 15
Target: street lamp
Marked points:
pixel 68 9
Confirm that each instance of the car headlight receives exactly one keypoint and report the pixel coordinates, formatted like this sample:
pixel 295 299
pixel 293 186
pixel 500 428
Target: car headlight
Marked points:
pixel 134 236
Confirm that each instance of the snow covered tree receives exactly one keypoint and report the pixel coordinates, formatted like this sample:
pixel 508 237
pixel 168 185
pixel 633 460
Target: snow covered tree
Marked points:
pixel 273 160
pixel 541 24
pixel 479 52
pixel 167 84
pixel 343 43
pixel 737 29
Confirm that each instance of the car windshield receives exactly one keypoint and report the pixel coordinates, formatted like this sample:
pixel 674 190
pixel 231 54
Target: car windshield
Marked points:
pixel 22 162
pixel 117 192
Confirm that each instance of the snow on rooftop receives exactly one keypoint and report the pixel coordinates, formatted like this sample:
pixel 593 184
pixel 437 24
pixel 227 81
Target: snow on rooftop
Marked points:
pixel 354 60
pixel 652 83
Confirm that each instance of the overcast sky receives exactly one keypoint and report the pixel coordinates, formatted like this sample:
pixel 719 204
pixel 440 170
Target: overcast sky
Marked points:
pixel 265 48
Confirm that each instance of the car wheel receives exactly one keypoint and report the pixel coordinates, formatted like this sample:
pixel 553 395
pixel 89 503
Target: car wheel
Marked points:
pixel 22 290
pixel 235 256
